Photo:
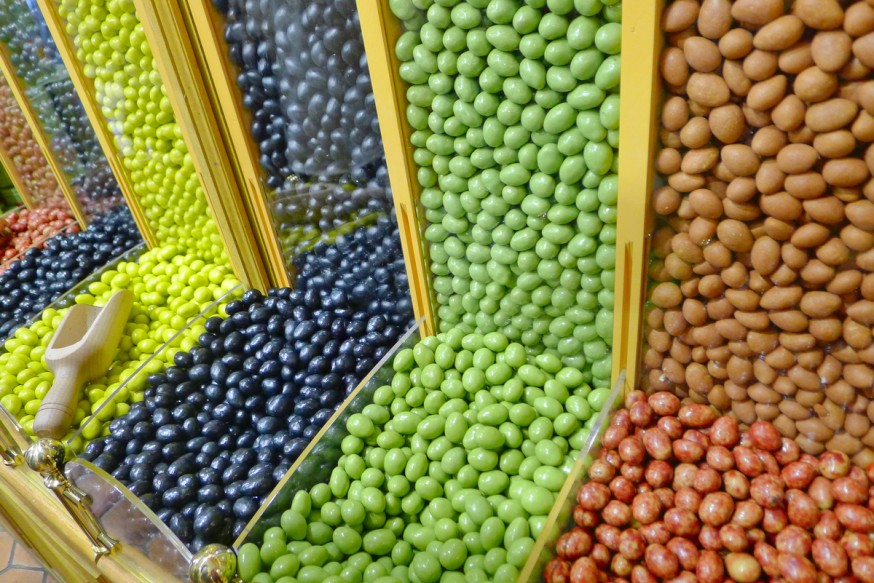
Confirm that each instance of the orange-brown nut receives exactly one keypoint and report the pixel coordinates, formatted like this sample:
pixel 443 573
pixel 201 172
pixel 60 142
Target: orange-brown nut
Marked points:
pixel 707 89
pixel 757 12
pixel 831 50
pixel 819 14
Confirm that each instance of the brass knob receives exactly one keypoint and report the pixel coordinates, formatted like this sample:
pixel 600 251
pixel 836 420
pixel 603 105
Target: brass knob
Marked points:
pixel 214 564
pixel 47 456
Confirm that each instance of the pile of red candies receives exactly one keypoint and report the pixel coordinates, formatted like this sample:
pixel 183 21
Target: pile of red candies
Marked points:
pixel 679 493
pixel 20 230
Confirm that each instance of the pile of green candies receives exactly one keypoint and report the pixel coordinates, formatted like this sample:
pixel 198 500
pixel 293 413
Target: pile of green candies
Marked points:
pixel 515 112
pixel 170 289
pixel 448 475
pixel 114 52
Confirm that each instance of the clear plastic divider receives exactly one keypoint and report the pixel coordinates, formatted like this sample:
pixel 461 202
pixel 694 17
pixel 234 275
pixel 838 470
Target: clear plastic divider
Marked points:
pixel 315 464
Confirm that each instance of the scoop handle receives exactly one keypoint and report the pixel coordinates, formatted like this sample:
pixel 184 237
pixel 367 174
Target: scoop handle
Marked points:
pixel 55 415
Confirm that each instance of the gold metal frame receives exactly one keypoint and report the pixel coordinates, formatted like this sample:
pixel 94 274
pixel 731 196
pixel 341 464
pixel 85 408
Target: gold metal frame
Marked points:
pixel 39 518
pixel 85 89
pixel 381 31
pixel 39 134
pixel 46 456
pixel 252 256
pixel 641 45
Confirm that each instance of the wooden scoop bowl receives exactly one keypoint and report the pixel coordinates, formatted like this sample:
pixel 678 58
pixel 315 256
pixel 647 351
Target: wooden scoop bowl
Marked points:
pixel 80 351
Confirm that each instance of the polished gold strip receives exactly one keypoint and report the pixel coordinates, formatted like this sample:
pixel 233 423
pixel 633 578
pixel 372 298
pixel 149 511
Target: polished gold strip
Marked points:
pixel 381 31
pixel 637 143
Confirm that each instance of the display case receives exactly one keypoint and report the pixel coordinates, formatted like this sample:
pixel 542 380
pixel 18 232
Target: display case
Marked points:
pixel 82 509
pixel 35 72
pixel 142 122
pixel 706 238
pixel 328 196
pixel 304 348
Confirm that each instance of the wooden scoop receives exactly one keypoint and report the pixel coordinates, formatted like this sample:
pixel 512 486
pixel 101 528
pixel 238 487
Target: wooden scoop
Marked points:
pixel 80 351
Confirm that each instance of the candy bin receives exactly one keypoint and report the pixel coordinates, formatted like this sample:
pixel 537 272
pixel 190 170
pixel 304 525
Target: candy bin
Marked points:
pixel 31 62
pixel 110 518
pixel 313 164
pixel 439 469
pixel 510 125
pixel 760 285
pixel 125 99
pixel 46 212
pixel 679 492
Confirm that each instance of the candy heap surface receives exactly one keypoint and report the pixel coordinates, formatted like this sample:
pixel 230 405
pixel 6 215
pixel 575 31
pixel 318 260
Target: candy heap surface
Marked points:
pixel 679 493
pixel 170 287
pixel 42 274
pixel 114 53
pixel 220 428
pixel 24 229
pixel 447 475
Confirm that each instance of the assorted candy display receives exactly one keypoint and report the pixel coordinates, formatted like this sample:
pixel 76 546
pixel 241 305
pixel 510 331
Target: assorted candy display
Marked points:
pixel 747 453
